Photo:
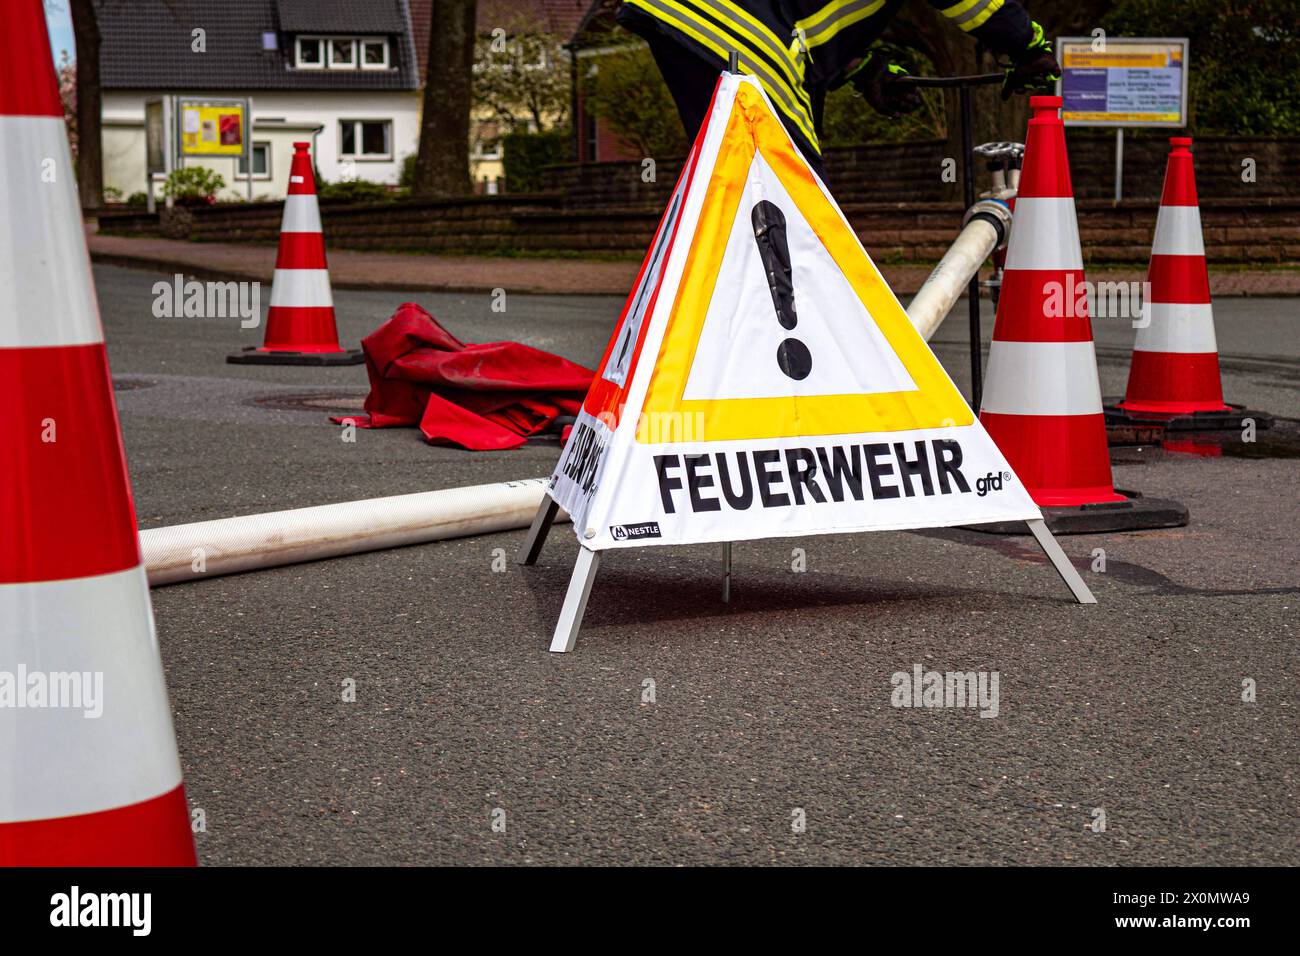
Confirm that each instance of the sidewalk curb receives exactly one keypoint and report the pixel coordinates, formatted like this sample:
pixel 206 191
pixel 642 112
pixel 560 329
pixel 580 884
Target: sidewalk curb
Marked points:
pixel 152 264
pixel 1223 284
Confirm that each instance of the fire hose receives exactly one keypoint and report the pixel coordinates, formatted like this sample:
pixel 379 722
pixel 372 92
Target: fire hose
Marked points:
pixel 250 542
pixel 984 230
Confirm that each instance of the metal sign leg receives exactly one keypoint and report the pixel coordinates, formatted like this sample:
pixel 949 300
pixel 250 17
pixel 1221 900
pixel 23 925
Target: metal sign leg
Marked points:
pixel 575 601
pixel 537 532
pixel 1059 561
pixel 726 573
pixel 973 287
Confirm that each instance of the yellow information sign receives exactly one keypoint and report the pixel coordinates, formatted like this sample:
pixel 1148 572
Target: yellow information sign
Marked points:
pixel 1123 81
pixel 212 129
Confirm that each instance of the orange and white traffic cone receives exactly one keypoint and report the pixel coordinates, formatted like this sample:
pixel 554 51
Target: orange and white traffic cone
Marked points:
pixel 88 760
pixel 300 328
pixel 1042 397
pixel 1175 369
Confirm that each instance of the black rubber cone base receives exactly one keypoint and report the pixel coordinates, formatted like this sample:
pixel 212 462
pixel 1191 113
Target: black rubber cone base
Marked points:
pixel 1230 420
pixel 1135 514
pixel 253 356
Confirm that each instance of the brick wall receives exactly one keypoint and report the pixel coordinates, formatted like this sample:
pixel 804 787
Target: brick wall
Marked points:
pixel 1218 165
pixel 878 173
pixel 910 172
pixel 1259 231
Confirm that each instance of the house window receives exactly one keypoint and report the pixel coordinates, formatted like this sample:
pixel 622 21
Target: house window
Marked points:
pixel 488 150
pixel 261 162
pixel 366 139
pixel 374 54
pixel 310 53
pixel 343 53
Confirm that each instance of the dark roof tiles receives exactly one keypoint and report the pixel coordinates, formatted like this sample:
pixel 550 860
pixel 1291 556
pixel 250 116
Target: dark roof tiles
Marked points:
pixel 341 16
pixel 147 44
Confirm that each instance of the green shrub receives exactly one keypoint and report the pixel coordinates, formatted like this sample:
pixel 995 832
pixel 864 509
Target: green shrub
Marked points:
pixel 407 178
pixel 526 154
pixel 1242 64
pixel 355 190
pixel 627 92
pixel 137 200
pixel 193 185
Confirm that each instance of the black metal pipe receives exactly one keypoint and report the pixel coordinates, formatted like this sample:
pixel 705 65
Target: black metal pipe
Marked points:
pixel 575 145
pixel 972 290
pixel 976 79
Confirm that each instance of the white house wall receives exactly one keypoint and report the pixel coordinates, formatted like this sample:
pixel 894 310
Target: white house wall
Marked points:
pixel 279 118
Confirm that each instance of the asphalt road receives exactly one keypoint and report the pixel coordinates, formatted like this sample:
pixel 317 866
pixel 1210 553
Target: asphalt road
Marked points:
pixel 775 704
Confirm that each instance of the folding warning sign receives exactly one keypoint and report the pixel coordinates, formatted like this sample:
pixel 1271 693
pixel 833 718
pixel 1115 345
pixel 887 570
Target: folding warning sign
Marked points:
pixel 763 380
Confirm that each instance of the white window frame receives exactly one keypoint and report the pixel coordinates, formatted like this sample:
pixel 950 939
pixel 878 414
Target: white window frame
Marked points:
pixel 352 42
pixel 266 143
pixel 358 45
pixel 483 154
pixel 357 140
pixel 297 53
pixel 361 53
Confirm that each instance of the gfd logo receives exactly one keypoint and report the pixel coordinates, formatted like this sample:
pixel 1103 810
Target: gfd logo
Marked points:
pixel 991 482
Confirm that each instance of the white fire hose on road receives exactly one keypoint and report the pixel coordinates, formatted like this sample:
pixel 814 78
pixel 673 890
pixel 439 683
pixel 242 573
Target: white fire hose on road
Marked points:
pixel 986 227
pixel 207 549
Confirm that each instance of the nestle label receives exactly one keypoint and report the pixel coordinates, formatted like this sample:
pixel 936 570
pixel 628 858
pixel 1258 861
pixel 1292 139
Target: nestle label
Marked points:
pixel 624 532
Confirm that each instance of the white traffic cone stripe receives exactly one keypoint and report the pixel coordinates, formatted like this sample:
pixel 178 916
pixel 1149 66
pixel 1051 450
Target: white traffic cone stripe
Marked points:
pixel 58 760
pixel 301 214
pixel 1177 327
pixel 301 287
pixel 1178 232
pixel 1044 235
pixel 45 298
pixel 1042 378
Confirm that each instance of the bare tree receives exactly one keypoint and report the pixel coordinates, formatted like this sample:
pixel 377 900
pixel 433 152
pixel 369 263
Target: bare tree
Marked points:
pixel 90 150
pixel 442 164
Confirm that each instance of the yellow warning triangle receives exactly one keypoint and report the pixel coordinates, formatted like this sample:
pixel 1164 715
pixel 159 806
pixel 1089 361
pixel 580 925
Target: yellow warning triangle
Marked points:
pixel 787 328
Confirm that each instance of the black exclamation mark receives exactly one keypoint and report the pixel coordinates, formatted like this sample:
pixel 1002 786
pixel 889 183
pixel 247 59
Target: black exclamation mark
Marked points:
pixel 769 232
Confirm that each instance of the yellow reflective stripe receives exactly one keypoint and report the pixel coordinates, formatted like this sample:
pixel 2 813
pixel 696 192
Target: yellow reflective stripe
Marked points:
pixel 992 8
pixel 706 34
pixel 764 37
pixel 728 11
pixel 823 25
pixel 808 24
pixel 793 77
pixel 849 13
pixel 969 14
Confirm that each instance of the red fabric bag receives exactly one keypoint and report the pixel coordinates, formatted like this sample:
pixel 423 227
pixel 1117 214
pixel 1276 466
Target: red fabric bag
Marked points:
pixel 480 397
